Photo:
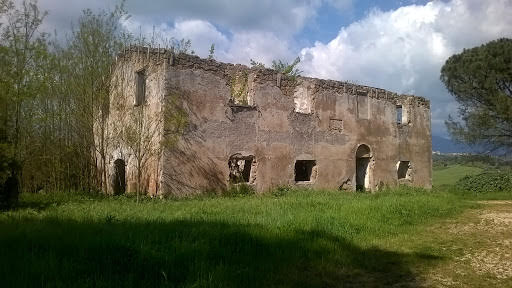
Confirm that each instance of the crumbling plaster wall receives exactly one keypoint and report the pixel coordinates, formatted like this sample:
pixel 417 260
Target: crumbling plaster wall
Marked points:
pixel 122 109
pixel 276 135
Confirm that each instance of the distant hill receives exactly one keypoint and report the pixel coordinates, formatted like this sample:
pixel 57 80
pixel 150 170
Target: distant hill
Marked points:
pixel 445 145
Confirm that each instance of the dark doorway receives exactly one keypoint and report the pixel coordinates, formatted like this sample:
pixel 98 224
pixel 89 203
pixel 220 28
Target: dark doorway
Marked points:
pixel 304 170
pixel 363 157
pixel 119 179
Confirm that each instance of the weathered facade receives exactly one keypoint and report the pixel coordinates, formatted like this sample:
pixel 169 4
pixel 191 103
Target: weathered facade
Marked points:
pixel 225 124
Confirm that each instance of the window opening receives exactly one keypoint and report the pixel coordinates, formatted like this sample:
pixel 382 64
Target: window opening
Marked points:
pixel 403 169
pixel 304 170
pixel 240 168
pixel 140 93
pixel 399 114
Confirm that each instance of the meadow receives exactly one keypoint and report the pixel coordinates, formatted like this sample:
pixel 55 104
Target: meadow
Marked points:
pixel 453 173
pixel 290 238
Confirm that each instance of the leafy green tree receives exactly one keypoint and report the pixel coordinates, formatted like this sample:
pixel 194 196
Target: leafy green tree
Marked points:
pixel 23 54
pixel 480 79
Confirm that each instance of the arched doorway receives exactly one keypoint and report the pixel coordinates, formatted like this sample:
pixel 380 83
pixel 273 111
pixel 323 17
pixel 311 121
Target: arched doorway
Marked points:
pixel 363 157
pixel 119 177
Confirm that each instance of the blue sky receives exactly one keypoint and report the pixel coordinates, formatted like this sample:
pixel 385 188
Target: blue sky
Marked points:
pixel 329 21
pixel 399 45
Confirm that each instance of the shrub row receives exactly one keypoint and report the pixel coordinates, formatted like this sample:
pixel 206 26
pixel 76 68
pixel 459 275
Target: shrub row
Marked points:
pixel 494 181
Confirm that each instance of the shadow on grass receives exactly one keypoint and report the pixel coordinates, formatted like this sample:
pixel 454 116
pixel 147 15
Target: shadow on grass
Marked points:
pixel 55 252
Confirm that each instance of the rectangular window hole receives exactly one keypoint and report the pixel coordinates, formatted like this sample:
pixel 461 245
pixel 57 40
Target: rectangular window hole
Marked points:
pixel 403 169
pixel 304 170
pixel 363 107
pixel 240 169
pixel 140 87
pixel 399 114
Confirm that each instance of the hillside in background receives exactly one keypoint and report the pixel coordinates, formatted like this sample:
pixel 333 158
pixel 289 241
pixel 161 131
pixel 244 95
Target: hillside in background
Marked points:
pixel 445 145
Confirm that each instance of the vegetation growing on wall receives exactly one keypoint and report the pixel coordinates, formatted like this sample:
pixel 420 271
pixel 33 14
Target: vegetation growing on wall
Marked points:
pixel 256 64
pixel 281 66
pixel 288 69
pixel 240 88
pixel 211 52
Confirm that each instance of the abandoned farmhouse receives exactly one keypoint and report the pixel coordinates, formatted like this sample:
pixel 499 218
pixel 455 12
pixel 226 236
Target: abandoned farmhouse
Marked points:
pixel 179 124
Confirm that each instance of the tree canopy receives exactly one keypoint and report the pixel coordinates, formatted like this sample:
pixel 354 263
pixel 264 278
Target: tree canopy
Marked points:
pixel 480 79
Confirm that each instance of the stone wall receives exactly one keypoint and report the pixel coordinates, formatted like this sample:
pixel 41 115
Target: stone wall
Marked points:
pixel 284 129
pixel 144 119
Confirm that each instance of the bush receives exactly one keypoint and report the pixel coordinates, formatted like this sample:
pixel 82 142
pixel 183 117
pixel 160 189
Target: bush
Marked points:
pixel 281 191
pixel 495 181
pixel 9 186
pixel 241 189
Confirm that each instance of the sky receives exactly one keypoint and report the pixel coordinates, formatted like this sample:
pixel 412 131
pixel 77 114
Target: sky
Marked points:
pixel 399 45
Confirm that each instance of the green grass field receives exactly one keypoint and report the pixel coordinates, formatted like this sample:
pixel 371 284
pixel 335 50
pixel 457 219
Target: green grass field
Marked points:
pixel 304 238
pixel 451 174
pixel 295 238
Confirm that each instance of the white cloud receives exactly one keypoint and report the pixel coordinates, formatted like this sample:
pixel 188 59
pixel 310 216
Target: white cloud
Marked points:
pixel 262 30
pixel 240 47
pixel 260 46
pixel 403 50
pixel 283 17
pixel 201 33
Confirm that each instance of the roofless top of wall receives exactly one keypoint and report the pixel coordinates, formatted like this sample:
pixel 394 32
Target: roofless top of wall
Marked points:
pixel 167 56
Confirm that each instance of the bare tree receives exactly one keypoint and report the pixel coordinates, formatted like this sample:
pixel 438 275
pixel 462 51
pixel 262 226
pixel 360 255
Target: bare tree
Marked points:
pixel 93 47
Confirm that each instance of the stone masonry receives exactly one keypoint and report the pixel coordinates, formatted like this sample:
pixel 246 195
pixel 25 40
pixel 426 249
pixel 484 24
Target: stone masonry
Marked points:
pixel 259 127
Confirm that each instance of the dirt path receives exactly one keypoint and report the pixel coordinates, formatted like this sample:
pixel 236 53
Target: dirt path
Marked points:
pixel 478 248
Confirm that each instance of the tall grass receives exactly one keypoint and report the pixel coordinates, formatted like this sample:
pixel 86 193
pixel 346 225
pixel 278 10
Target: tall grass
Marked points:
pixel 298 238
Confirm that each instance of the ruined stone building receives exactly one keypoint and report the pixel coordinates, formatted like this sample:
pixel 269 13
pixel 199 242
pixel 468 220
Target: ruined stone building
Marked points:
pixel 204 125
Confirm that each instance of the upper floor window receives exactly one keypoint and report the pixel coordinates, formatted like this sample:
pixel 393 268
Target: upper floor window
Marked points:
pixel 303 100
pixel 399 114
pixel 363 107
pixel 140 87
